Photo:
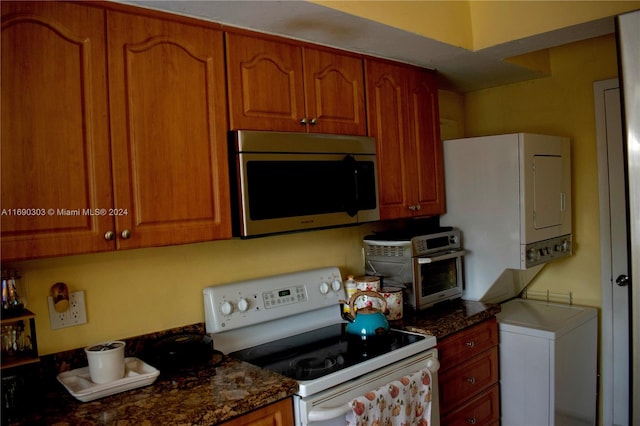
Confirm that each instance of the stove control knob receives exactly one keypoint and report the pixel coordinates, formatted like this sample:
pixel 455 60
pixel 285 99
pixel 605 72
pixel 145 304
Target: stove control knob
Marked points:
pixel 324 288
pixel 226 308
pixel 336 286
pixel 243 305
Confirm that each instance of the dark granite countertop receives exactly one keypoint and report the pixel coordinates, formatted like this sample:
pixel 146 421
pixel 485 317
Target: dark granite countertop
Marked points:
pixel 213 391
pixel 447 318
pixel 208 394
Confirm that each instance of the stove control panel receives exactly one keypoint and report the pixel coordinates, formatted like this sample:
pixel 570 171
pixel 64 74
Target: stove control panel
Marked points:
pixel 284 296
pixel 245 303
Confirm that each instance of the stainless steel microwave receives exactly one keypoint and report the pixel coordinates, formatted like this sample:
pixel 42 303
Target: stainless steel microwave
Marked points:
pixel 284 182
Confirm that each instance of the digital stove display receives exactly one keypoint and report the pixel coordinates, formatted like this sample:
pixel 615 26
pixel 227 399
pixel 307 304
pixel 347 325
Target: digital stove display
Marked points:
pixel 316 353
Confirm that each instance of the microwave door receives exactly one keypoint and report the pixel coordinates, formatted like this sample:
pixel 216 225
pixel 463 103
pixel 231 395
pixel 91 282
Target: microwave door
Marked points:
pixel 440 256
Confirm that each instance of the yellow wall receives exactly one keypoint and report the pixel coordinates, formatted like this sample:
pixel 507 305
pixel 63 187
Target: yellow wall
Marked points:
pixel 446 21
pixel 496 22
pixel 478 24
pixel 134 292
pixel 561 104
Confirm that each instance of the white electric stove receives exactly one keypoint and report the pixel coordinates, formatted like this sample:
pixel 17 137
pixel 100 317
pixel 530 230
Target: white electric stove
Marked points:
pixel 291 324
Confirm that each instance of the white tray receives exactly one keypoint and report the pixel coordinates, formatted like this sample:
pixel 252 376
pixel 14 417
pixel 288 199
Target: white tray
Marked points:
pixel 137 374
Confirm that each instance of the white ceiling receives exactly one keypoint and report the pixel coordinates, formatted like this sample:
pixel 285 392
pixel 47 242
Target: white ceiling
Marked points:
pixel 460 69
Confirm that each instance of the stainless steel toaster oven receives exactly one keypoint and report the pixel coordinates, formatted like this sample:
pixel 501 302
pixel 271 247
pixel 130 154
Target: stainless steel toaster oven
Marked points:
pixel 428 267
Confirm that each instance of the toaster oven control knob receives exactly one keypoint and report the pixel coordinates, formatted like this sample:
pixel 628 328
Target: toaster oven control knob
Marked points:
pixel 243 305
pixel 324 288
pixel 336 286
pixel 226 308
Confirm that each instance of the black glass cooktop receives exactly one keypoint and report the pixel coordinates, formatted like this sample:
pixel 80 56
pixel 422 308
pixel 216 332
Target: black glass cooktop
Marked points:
pixel 323 351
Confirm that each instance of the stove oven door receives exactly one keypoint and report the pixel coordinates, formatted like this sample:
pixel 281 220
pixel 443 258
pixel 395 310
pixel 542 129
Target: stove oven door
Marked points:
pixel 330 407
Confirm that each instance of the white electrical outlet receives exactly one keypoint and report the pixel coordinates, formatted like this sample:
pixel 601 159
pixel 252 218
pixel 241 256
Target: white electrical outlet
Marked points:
pixel 75 315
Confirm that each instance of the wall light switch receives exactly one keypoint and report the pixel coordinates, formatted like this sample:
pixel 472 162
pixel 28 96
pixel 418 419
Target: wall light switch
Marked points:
pixel 75 315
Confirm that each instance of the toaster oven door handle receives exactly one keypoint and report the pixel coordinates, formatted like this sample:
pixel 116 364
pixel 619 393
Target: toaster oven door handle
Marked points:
pixel 445 256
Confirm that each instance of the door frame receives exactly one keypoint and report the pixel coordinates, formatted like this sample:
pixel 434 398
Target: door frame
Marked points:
pixel 607 355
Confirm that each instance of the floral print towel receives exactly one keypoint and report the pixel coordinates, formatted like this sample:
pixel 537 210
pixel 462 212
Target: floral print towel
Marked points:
pixel 403 402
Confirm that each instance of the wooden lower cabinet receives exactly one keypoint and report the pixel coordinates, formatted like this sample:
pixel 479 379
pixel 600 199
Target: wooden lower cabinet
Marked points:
pixel 481 410
pixel 468 379
pixel 277 414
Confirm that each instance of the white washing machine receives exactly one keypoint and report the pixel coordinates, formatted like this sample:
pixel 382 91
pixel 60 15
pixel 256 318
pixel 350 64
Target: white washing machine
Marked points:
pixel 548 363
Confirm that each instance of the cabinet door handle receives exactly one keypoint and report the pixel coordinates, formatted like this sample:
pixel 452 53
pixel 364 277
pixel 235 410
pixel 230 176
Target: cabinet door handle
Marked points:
pixel 471 343
pixel 471 420
pixel 126 234
pixel 109 235
pixel 471 380
pixel 303 121
pixel 313 121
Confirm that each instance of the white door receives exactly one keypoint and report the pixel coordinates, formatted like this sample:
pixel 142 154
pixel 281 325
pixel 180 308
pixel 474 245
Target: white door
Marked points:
pixel 613 238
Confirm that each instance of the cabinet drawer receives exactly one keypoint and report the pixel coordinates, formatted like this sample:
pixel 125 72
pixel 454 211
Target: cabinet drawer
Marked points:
pixel 461 382
pixel 467 343
pixel 482 410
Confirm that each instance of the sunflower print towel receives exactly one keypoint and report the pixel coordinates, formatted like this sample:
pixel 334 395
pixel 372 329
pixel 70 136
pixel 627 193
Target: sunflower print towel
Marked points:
pixel 403 402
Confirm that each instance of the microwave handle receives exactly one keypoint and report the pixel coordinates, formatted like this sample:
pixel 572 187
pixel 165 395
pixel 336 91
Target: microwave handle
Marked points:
pixel 458 253
pixel 351 185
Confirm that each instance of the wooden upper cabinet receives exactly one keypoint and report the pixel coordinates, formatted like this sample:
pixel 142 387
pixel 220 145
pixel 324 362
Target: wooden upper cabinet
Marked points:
pixel 425 119
pixel 334 88
pixel 402 109
pixel 168 131
pixel 55 137
pixel 276 85
pixel 97 157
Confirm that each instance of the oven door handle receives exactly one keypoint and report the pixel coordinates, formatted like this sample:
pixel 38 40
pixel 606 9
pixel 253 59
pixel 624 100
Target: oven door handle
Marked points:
pixel 320 414
pixel 451 255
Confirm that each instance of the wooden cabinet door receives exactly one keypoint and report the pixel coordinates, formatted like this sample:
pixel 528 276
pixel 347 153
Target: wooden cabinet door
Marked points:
pixel 388 124
pixel 334 88
pixel 468 379
pixel 277 414
pixel 402 108
pixel 168 131
pixel 55 138
pixel 425 135
pixel 265 84
pixel 481 410
pixel 463 345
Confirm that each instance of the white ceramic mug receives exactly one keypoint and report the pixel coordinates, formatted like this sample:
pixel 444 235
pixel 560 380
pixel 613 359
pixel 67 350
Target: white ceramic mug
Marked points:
pixel 106 361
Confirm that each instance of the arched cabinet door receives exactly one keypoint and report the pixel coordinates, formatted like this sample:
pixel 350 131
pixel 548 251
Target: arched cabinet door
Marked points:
pixel 402 109
pixel 55 139
pixel 266 90
pixel 334 88
pixel 428 145
pixel 168 131
pixel 279 85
